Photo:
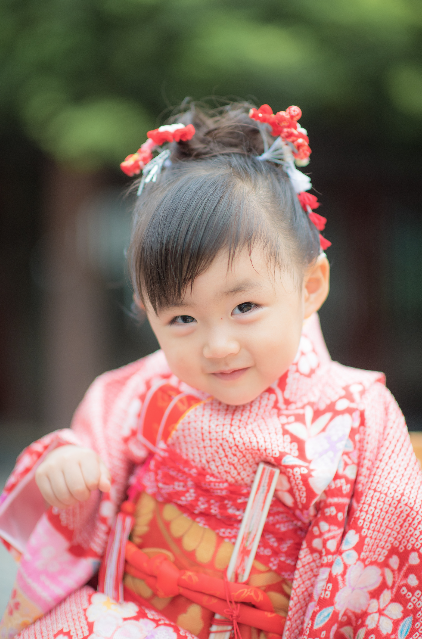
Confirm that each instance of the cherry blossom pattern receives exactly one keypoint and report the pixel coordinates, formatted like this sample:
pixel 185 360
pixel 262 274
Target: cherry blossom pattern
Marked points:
pixel 49 566
pixel 331 533
pixel 383 613
pixel 359 581
pixel 115 621
pixel 340 395
pixel 112 625
pixel 19 613
pixel 392 574
pixel 412 580
pixel 102 604
pixel 324 444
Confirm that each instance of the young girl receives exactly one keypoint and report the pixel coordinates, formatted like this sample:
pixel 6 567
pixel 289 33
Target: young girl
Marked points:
pixel 226 259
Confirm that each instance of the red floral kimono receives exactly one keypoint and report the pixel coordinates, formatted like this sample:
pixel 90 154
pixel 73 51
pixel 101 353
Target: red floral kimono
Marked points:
pixel 340 553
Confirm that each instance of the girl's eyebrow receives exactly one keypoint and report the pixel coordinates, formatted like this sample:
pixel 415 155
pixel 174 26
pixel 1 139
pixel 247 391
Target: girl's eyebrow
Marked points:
pixel 243 287
pixel 173 305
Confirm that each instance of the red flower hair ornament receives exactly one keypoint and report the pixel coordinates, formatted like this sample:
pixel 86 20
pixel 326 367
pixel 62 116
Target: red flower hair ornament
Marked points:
pixel 143 159
pixel 290 149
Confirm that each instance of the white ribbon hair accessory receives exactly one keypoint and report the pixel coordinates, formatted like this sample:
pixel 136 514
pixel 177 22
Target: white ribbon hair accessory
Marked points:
pixel 280 153
pixel 153 169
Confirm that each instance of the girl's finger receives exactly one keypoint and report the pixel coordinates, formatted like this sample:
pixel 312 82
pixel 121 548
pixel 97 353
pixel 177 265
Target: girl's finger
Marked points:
pixel 90 468
pixel 105 479
pixel 60 489
pixel 75 482
pixel 46 490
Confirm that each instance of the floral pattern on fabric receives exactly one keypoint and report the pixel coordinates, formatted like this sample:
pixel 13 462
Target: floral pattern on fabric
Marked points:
pixel 370 588
pixel 48 569
pixel 99 617
pixel 20 612
pixel 351 493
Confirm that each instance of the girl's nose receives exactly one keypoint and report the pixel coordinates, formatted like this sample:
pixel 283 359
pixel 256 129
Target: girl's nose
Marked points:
pixel 219 346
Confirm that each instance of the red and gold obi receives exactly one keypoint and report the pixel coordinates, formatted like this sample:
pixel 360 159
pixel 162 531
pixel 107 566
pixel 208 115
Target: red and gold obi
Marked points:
pixel 177 566
pixel 183 523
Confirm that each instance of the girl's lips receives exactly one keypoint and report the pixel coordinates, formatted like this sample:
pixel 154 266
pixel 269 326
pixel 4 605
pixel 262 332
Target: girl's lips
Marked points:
pixel 230 375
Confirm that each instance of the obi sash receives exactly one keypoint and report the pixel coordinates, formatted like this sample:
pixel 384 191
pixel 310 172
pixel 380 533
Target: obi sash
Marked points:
pixel 177 566
pixel 172 563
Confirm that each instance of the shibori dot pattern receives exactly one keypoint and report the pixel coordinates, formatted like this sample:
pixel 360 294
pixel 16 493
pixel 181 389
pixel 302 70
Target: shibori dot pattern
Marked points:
pixel 373 588
pixel 229 441
pixel 356 575
pixel 87 614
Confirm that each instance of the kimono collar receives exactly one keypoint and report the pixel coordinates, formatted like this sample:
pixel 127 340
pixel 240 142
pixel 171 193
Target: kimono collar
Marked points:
pixel 155 415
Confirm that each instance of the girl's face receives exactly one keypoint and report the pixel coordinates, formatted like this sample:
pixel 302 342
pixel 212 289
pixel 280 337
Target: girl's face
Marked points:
pixel 238 329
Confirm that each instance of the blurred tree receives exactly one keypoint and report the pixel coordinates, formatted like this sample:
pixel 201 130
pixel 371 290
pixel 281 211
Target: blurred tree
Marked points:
pixel 86 78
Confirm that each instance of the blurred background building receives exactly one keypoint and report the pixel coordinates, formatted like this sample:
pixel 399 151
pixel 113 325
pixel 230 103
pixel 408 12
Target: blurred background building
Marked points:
pixel 81 81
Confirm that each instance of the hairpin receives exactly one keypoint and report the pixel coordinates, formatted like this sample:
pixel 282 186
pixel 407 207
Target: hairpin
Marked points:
pixel 289 149
pixel 152 170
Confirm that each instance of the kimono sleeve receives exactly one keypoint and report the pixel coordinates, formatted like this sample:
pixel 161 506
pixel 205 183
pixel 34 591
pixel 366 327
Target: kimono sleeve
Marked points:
pixel 21 503
pixel 61 550
pixel 370 584
pixel 97 424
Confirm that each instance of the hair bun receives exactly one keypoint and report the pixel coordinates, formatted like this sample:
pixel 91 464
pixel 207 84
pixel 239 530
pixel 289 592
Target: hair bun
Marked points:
pixel 221 130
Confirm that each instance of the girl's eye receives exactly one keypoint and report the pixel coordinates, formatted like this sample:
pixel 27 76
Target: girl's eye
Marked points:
pixel 245 307
pixel 182 319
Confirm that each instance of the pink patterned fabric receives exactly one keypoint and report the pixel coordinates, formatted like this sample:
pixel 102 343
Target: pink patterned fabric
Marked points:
pixel 346 521
pixel 86 613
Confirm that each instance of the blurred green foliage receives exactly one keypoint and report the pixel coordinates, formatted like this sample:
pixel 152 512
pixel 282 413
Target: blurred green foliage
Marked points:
pixel 85 79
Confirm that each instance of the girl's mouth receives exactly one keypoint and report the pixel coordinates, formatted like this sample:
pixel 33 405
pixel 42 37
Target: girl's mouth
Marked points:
pixel 231 374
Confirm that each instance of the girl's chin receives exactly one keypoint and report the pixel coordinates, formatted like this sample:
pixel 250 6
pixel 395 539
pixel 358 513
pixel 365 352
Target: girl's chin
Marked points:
pixel 236 397
pixel 234 392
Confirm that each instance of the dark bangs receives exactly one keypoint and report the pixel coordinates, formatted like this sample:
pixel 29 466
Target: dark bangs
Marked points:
pixel 197 209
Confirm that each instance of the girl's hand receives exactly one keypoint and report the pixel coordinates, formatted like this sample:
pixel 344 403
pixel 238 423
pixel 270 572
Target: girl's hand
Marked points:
pixel 69 474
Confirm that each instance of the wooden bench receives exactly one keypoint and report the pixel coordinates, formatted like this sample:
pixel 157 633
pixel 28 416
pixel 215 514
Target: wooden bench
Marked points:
pixel 416 439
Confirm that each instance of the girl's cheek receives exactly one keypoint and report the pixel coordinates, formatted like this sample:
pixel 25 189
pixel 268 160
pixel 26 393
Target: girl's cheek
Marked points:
pixel 180 356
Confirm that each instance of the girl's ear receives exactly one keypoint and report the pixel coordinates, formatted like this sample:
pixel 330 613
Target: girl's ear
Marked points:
pixel 316 285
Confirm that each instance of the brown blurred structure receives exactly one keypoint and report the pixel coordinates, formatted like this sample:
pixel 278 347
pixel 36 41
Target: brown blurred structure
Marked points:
pixel 74 317
pixel 416 439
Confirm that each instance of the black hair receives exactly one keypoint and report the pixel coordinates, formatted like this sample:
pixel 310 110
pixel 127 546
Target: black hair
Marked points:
pixel 215 195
